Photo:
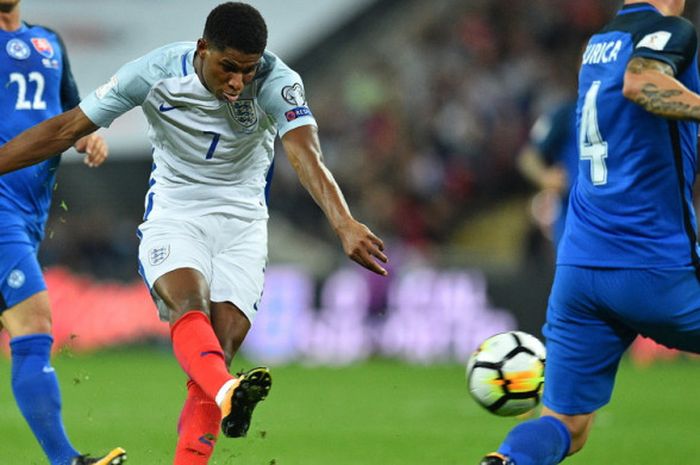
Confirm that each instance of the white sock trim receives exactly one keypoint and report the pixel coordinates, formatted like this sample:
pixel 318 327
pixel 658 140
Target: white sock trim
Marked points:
pixel 222 391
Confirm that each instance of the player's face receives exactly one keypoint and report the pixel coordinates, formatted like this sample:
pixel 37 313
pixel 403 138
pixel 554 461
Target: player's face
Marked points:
pixel 225 72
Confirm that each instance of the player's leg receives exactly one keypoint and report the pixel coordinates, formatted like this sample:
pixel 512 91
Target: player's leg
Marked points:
pixel 555 436
pixel 175 262
pixel 254 385
pixel 34 382
pixel 26 315
pixel 584 347
pixel 186 294
pixel 200 419
pixel 236 289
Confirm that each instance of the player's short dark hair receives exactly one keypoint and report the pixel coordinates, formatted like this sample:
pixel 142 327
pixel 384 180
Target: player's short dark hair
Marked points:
pixel 236 25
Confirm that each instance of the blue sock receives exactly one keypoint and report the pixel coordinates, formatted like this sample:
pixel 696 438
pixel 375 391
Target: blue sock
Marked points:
pixel 35 386
pixel 544 441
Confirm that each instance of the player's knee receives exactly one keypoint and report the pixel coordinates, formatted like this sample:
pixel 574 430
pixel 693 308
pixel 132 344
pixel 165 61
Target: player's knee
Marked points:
pixel 23 323
pixel 194 303
pixel 37 326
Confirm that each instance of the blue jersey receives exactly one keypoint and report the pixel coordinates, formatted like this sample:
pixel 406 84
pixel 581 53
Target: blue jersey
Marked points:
pixel 35 84
pixel 631 206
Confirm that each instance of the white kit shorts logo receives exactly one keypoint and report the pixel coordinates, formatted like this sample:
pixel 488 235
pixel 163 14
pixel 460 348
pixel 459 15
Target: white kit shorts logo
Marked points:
pixel 16 279
pixel 158 255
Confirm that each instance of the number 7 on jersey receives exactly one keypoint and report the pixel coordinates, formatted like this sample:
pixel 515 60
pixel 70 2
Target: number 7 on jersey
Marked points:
pixel 214 143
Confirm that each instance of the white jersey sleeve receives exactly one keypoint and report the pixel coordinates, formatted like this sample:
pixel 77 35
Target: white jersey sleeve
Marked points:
pixel 129 87
pixel 282 97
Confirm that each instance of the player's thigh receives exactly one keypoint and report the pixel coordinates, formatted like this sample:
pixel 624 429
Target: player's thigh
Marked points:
pixel 239 266
pixel 175 263
pixel 584 345
pixel 24 304
pixel 663 304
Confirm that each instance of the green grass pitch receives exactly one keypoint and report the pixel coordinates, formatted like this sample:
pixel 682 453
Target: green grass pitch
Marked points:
pixel 374 413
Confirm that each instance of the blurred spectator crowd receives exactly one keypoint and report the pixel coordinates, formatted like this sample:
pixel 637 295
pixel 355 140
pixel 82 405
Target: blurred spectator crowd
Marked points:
pixel 421 121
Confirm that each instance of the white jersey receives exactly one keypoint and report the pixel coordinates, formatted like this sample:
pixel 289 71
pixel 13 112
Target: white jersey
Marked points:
pixel 209 156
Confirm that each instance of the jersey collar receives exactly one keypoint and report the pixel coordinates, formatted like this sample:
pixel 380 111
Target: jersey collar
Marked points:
pixel 637 7
pixel 187 62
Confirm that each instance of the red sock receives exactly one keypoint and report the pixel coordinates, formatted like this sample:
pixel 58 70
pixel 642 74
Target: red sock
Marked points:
pixel 197 429
pixel 198 350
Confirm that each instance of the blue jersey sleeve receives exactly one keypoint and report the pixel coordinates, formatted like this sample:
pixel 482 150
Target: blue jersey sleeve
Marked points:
pixel 672 40
pixel 70 97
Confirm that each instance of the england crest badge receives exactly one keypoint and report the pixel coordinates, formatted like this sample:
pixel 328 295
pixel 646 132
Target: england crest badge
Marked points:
pixel 243 111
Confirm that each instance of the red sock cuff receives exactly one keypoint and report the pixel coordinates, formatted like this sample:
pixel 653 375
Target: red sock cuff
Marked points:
pixel 188 318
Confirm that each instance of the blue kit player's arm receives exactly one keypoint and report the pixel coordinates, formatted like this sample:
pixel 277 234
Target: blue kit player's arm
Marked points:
pixel 540 160
pixel 45 140
pixel 650 77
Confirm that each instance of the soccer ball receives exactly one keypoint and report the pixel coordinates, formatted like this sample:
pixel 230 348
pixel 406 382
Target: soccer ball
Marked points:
pixel 505 374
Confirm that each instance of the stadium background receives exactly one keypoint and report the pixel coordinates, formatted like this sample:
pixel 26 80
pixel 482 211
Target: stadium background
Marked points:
pixel 422 109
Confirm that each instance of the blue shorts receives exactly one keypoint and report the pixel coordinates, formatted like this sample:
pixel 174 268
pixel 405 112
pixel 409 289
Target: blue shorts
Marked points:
pixel 594 315
pixel 20 273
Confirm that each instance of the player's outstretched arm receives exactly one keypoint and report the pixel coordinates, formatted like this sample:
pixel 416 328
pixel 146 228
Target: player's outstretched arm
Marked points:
pixel 651 84
pixel 45 140
pixel 359 243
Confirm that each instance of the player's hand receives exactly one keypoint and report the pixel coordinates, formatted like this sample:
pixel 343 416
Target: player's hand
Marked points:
pixel 362 246
pixel 95 149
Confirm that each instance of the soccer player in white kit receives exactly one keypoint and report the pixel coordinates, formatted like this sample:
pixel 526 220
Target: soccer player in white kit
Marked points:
pixel 214 108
